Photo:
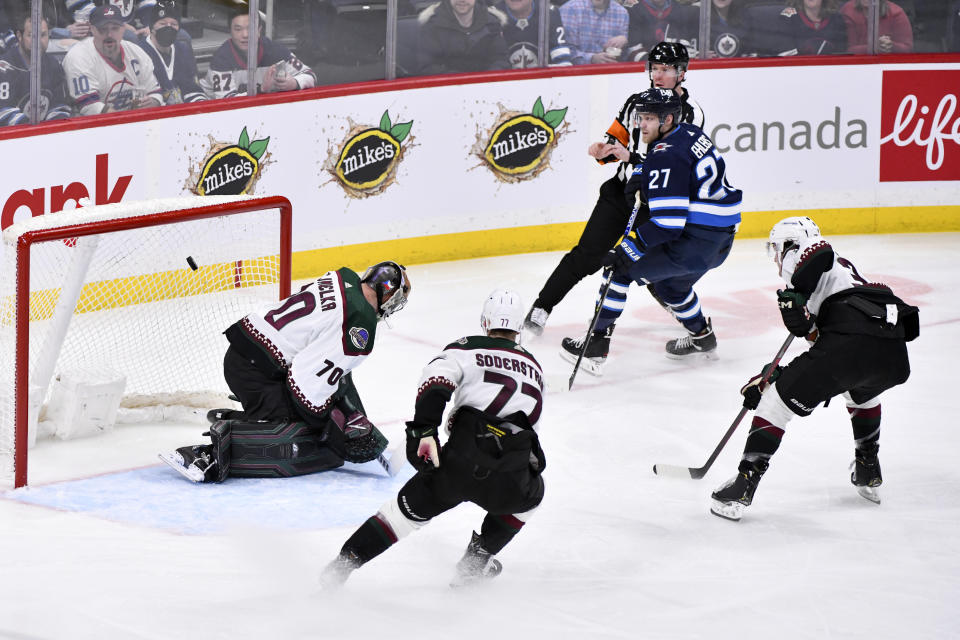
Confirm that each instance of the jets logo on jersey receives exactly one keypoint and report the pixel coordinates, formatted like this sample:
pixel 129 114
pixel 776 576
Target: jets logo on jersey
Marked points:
pixel 661 146
pixel 359 337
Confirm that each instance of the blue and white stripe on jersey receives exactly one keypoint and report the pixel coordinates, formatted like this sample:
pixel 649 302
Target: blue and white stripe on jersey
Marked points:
pixel 670 212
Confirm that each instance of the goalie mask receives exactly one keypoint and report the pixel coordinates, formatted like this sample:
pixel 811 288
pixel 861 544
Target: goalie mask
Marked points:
pixel 389 281
pixel 786 235
pixel 503 309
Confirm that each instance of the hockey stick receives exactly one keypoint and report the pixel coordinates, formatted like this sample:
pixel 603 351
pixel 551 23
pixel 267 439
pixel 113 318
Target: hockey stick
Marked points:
pixel 387 461
pixel 603 297
pixel 593 323
pixel 677 471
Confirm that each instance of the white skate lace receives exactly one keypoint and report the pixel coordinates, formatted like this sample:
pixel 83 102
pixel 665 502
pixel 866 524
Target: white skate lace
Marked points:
pixel 685 342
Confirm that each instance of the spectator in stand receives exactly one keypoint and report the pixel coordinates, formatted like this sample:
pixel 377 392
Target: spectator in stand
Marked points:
pixel 277 68
pixel 72 20
pixel 596 29
pixel 174 64
pixel 653 21
pixel 106 73
pixel 15 78
pixel 812 28
pixel 459 36
pixel 522 33
pixel 894 33
pixel 729 35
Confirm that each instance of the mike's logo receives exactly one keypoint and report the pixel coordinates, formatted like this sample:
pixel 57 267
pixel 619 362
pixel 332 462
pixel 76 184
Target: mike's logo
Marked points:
pixel 519 145
pixel 366 162
pixel 230 169
pixel 920 126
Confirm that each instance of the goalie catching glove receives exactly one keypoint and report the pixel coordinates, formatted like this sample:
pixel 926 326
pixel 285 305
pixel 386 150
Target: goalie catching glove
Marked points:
pixel 423 446
pixel 753 390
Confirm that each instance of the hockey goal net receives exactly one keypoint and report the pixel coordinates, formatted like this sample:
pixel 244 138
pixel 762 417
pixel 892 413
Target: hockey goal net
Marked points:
pixel 142 289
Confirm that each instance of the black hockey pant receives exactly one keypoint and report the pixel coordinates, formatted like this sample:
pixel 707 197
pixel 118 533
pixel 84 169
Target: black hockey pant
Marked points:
pixel 603 229
pixel 864 365
pixel 473 469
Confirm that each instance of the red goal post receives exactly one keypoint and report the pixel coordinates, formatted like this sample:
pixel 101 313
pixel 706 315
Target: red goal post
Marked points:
pixel 175 272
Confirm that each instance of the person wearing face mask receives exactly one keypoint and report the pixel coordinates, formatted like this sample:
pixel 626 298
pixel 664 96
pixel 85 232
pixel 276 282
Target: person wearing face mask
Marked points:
pixel 174 64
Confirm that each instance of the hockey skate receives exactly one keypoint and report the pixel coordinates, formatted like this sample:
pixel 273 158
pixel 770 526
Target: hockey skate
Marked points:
pixel 866 472
pixel 702 343
pixel 336 573
pixel 195 463
pixel 596 354
pixel 535 321
pixel 730 499
pixel 476 565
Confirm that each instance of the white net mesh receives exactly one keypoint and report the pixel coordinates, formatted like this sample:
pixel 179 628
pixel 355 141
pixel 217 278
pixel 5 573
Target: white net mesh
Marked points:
pixel 151 302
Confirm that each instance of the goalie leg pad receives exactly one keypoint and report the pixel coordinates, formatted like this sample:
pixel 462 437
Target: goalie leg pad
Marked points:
pixel 272 449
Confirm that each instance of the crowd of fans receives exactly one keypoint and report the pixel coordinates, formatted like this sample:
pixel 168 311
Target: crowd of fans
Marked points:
pixel 115 55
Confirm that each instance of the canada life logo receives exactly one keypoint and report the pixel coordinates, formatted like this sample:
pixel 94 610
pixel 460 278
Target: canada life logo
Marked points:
pixel 920 126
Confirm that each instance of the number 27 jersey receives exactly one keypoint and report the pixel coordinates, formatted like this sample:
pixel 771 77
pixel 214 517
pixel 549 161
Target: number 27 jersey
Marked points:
pixel 318 335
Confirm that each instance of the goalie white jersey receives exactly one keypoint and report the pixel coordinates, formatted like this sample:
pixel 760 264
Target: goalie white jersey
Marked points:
pixel 316 335
pixel 93 81
pixel 494 375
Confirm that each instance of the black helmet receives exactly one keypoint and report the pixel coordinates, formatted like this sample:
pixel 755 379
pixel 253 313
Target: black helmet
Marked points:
pixel 671 53
pixel 389 281
pixel 660 102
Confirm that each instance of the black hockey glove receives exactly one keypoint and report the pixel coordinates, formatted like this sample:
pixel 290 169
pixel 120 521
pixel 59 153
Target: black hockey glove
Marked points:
pixel 794 313
pixel 753 390
pixel 423 446
pixel 624 256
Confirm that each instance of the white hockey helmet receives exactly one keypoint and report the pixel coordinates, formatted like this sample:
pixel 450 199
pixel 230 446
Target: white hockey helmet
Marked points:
pixel 503 309
pixel 787 233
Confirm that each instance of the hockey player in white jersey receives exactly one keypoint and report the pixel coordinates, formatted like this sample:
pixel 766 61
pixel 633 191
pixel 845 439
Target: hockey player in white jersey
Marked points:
pixel 106 73
pixel 857 332
pixel 289 366
pixel 492 456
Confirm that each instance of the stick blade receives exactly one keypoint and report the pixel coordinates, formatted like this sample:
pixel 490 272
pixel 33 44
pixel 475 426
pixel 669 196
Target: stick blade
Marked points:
pixel 676 471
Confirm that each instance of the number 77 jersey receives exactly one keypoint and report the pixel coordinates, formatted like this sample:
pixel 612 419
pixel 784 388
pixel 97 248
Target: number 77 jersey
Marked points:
pixel 494 375
pixel 317 335
pixel 684 180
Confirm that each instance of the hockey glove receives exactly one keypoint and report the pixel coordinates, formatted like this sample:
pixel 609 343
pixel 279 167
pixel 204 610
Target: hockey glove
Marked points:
pixel 753 390
pixel 624 256
pixel 794 313
pixel 423 446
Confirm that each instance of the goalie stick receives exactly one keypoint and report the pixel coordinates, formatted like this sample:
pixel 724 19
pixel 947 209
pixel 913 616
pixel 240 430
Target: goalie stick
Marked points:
pixel 696 473
pixel 608 278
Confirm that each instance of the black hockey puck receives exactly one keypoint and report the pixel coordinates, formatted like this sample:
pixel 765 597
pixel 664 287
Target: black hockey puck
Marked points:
pixel 192 263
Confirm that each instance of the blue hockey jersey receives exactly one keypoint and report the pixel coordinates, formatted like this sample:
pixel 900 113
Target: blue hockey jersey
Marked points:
pixel 684 181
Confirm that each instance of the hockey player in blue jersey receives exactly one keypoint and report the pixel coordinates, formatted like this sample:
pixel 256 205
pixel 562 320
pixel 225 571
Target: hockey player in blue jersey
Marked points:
pixel 694 214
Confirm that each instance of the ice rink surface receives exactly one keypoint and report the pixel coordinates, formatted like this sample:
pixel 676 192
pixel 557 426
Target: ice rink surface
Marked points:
pixel 107 543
